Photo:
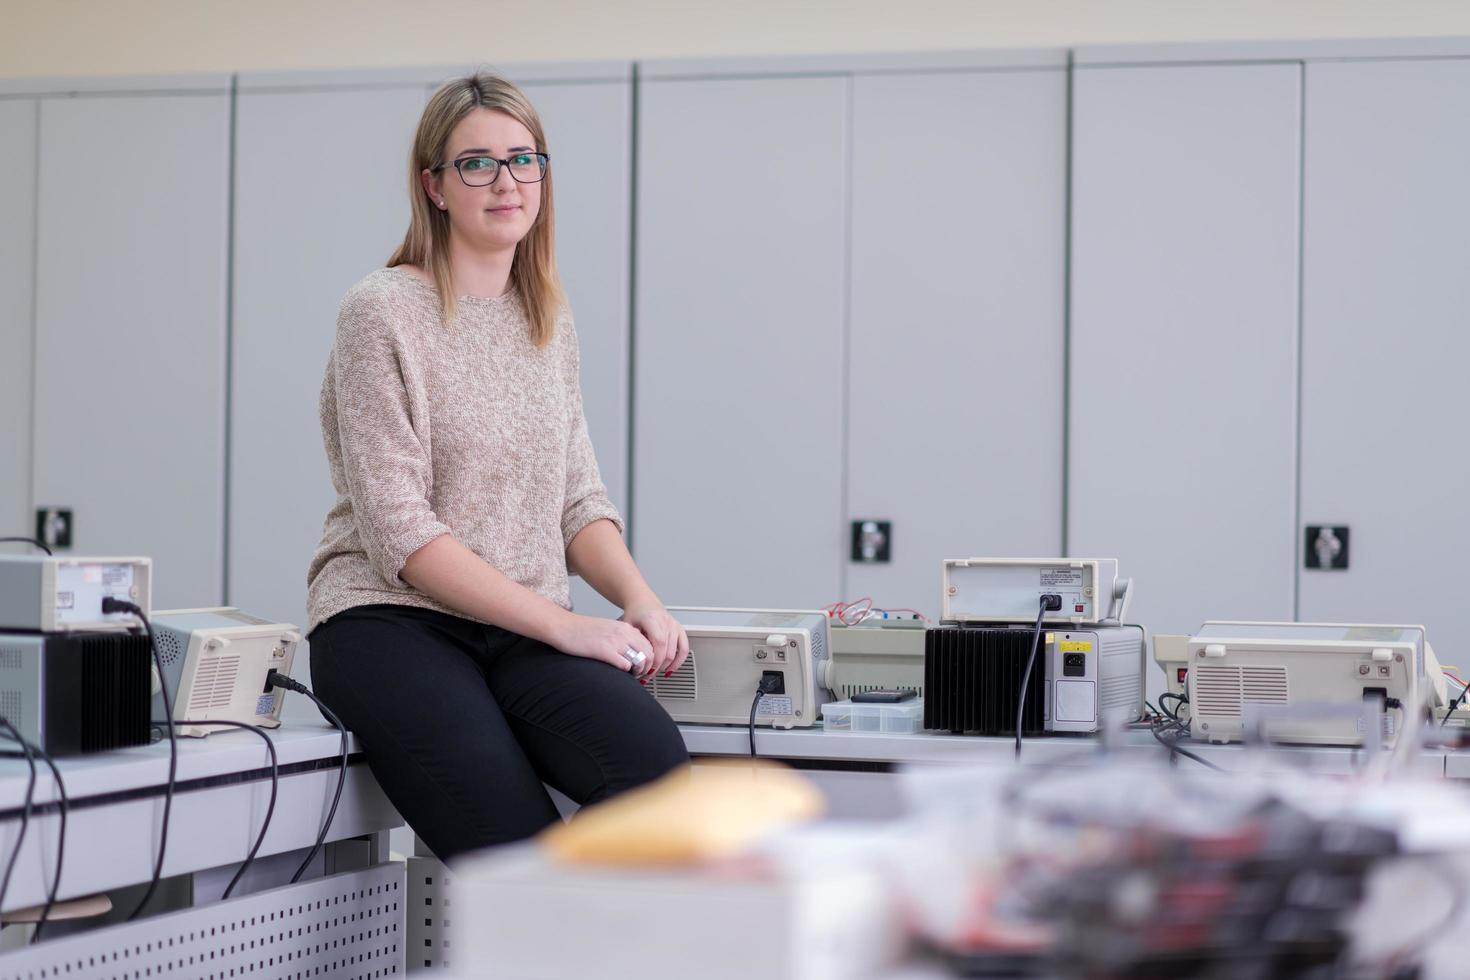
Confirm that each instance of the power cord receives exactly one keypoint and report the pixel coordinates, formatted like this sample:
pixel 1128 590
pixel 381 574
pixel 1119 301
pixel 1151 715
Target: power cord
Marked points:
pixel 63 804
pixel 1048 604
pixel 1176 724
pixel 1455 705
pixel 114 605
pixel 34 541
pixel 769 684
pixel 25 813
pixel 277 679
pixel 270 809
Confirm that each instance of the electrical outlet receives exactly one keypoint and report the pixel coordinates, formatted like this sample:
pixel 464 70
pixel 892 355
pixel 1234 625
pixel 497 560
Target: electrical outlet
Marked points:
pixel 53 526
pixel 1327 547
pixel 872 542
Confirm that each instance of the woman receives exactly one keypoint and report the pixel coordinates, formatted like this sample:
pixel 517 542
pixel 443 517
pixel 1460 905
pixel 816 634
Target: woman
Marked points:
pixel 440 620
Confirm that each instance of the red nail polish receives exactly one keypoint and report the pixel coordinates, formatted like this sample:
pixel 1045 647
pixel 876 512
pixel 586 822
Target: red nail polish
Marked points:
pixel 668 673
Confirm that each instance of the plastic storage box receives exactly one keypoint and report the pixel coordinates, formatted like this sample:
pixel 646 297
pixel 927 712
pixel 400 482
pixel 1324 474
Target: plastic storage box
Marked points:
pixel 905 717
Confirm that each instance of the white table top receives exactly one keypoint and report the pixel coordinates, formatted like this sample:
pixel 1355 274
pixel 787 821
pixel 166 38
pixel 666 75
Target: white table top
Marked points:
pixel 238 751
pixel 147 765
pixel 816 745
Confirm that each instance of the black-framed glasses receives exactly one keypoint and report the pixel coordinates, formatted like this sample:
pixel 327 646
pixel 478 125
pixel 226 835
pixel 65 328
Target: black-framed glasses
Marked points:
pixel 525 168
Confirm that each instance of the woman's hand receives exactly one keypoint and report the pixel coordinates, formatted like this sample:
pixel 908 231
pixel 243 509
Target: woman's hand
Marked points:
pixel 664 634
pixel 603 639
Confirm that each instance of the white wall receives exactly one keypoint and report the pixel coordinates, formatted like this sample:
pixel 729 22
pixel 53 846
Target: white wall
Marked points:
pixel 85 37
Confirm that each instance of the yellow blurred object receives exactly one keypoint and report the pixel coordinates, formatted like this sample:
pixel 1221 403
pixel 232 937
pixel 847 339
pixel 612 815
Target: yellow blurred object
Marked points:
pixel 690 816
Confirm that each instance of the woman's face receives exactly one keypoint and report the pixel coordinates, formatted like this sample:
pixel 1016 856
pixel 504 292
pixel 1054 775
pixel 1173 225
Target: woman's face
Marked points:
pixel 496 215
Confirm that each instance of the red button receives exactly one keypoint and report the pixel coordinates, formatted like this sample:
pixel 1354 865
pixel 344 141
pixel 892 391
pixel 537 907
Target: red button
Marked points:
pixel 1081 608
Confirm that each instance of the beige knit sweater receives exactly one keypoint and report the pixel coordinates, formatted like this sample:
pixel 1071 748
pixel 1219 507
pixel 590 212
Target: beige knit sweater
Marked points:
pixel 462 428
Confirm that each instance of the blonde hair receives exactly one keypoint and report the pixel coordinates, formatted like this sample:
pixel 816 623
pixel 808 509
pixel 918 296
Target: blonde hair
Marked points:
pixel 533 270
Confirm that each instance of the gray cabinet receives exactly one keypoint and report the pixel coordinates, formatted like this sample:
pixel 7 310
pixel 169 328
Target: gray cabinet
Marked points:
pixel 321 199
pixel 18 121
pixel 1182 414
pixel 738 380
pixel 590 131
pixel 130 329
pixel 1385 340
pixel 956 385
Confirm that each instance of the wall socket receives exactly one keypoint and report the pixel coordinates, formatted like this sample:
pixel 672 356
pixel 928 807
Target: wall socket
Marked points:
pixel 1327 547
pixel 872 542
pixel 53 526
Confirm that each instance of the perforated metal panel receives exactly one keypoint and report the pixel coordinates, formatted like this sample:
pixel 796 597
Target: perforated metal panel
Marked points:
pixel 347 926
pixel 170 647
pixel 10 658
pixel 428 916
pixel 11 708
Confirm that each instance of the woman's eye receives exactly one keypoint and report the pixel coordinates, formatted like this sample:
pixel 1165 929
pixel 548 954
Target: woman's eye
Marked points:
pixel 475 163
pixel 522 160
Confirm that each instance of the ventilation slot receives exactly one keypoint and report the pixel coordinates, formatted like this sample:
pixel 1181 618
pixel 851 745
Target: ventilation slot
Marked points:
pixel 681 686
pixel 11 658
pixel 1119 692
pixel 214 683
pixel 972 681
pixel 1223 690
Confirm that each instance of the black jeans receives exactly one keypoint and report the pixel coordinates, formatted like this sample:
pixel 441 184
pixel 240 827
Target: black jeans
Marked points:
pixel 462 723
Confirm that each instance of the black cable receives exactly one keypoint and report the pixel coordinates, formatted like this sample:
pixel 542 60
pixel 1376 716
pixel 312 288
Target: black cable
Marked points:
pixel 1030 663
pixel 270 809
pixel 1158 733
pixel 277 679
pixel 33 541
pixel 63 805
pixel 755 703
pixel 770 683
pixel 113 605
pixel 1455 706
pixel 1173 715
pixel 25 813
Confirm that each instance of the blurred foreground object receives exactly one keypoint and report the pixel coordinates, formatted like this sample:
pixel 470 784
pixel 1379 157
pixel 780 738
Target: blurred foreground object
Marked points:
pixel 1124 871
pixel 705 874
pixel 694 814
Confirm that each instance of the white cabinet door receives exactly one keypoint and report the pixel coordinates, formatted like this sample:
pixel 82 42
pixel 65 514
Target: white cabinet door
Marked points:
pixel 956 388
pixel 321 200
pixel 590 129
pixel 741 226
pixel 1385 340
pixel 1182 443
pixel 18 120
pixel 130 330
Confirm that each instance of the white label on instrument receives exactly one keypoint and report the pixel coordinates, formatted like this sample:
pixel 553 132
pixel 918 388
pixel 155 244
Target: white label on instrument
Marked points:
pixel 1387 722
pixel 117 576
pixel 1061 578
pixel 775 706
pixel 265 703
pixel 66 600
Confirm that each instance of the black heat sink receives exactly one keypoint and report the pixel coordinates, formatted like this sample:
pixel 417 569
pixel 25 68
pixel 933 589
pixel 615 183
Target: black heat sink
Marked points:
pixel 98 692
pixel 972 680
